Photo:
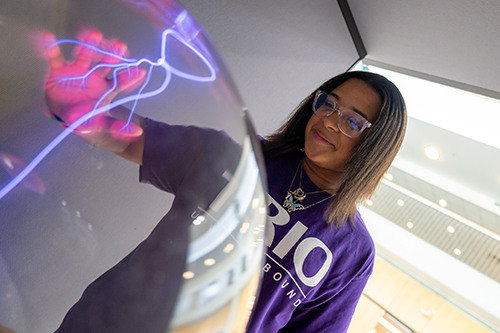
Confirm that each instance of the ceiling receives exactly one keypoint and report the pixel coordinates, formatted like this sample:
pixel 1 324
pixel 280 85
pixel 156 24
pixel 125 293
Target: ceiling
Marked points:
pixel 451 39
pixel 450 42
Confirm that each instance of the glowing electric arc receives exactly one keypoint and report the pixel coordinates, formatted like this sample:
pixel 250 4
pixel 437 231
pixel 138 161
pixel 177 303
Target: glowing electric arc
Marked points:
pixel 125 64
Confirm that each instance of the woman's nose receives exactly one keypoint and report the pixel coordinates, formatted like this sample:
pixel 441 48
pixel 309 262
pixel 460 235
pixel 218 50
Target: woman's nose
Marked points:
pixel 332 121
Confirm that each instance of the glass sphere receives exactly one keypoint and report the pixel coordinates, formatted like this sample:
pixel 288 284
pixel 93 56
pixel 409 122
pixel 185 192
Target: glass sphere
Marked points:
pixel 84 243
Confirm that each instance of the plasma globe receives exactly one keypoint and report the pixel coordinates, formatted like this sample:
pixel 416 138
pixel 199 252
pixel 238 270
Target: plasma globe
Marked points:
pixel 142 93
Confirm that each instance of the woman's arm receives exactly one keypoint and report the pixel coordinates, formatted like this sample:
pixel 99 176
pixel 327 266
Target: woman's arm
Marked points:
pixel 79 93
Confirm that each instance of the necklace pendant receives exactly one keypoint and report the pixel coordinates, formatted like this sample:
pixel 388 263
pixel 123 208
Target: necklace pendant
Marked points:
pixel 299 194
pixel 293 199
pixel 290 204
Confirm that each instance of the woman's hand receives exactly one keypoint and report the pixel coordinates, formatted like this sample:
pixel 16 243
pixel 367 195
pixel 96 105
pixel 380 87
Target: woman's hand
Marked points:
pixel 76 88
pixel 89 83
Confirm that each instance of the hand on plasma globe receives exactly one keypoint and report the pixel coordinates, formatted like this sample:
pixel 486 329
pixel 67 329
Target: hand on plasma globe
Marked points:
pixel 78 92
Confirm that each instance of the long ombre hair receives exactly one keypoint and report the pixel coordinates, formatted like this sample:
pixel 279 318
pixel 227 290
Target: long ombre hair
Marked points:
pixel 371 157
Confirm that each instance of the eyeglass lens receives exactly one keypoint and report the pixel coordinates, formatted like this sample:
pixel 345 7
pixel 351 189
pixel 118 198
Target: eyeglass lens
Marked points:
pixel 350 122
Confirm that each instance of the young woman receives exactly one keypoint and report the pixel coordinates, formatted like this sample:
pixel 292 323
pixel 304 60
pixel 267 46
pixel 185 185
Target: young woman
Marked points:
pixel 329 156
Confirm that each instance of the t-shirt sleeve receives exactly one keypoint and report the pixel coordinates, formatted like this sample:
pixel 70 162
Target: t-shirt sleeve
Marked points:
pixel 139 293
pixel 332 316
pixel 178 156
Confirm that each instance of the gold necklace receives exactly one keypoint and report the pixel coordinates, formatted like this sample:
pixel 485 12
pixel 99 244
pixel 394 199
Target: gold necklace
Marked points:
pixel 294 198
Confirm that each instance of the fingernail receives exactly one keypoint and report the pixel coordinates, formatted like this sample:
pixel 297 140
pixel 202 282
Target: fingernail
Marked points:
pixel 48 41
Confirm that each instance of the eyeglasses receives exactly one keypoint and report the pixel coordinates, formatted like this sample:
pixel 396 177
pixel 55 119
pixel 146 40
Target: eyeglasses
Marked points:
pixel 350 122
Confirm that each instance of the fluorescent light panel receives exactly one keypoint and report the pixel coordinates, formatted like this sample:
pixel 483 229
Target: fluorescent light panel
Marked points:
pixel 468 114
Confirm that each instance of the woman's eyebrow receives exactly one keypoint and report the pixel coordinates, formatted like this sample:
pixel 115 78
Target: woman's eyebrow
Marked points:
pixel 334 95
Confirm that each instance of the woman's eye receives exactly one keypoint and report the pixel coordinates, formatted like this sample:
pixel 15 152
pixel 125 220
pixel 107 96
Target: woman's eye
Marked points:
pixel 354 124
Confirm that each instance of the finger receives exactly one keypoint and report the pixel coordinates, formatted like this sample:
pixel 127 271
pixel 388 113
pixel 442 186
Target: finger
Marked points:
pixel 93 125
pixel 115 52
pixel 52 50
pixel 131 79
pixel 81 36
pixel 87 55
pixel 117 49
pixel 125 131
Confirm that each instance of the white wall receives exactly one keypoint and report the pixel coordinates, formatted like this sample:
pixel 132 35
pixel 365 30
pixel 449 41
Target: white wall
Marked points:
pixel 450 39
pixel 278 51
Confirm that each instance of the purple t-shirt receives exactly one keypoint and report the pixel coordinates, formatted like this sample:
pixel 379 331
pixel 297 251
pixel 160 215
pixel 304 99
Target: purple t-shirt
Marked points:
pixel 313 274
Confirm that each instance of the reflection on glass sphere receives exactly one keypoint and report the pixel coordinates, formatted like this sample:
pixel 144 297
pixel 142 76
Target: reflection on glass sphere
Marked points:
pixel 75 222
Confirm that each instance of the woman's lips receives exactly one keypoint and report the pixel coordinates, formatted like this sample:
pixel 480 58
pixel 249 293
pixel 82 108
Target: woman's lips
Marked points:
pixel 318 136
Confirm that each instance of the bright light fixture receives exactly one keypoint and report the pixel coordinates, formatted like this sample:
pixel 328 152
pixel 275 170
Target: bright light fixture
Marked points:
pixel 244 227
pixel 188 275
pixel 209 262
pixel 388 325
pixel 457 252
pixel 444 106
pixel 389 176
pixel 450 229
pixel 199 220
pixel 401 202
pixel 409 225
pixel 229 247
pixel 442 203
pixel 369 202
pixel 431 153
pixel 255 203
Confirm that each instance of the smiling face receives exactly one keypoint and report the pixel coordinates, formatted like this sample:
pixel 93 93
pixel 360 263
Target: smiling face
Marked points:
pixel 327 149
